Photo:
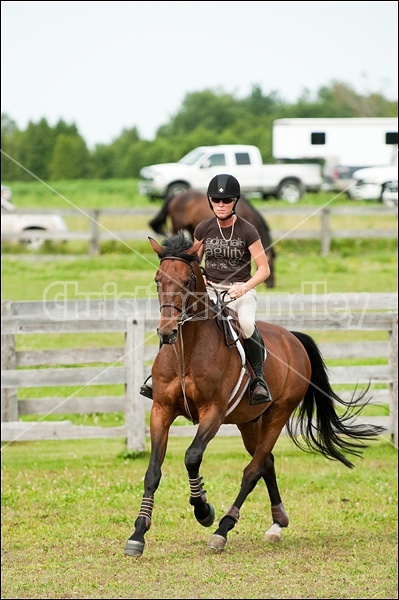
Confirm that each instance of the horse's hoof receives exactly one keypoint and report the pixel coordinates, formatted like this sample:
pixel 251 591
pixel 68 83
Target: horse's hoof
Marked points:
pixel 209 520
pixel 217 542
pixel 134 548
pixel 273 535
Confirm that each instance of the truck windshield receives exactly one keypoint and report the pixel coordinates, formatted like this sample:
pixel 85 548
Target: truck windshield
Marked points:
pixel 192 157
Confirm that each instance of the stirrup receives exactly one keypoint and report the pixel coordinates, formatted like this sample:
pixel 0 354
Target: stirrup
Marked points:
pixel 146 390
pixel 259 392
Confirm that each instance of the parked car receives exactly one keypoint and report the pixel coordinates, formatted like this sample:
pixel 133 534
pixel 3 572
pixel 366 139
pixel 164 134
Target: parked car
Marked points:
pixel 341 179
pixel 375 183
pixel 14 222
pixel 390 194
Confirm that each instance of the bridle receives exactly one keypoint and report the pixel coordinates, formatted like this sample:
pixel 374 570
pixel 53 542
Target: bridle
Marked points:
pixel 191 288
pixel 208 312
pixel 185 316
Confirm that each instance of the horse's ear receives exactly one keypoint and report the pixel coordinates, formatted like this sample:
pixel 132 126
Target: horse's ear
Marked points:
pixel 195 247
pixel 155 246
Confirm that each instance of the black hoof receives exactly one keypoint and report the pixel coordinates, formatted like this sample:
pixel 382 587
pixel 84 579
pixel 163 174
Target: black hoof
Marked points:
pixel 209 520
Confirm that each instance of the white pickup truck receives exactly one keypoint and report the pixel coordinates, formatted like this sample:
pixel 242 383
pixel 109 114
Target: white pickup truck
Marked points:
pixel 195 170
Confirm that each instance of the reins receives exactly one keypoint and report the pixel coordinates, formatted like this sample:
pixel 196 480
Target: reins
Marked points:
pixel 216 309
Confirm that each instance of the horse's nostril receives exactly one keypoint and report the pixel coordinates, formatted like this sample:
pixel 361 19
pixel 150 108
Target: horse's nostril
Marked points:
pixel 168 338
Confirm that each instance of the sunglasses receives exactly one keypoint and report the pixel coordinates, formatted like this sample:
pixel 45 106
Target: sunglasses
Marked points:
pixel 224 200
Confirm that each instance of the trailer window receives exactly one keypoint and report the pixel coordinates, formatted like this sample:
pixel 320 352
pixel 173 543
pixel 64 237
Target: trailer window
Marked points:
pixel 318 138
pixel 391 137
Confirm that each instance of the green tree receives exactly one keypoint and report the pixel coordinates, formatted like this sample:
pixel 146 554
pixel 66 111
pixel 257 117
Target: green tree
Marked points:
pixel 70 158
pixel 8 126
pixel 259 105
pixel 213 111
pixel 35 150
pixel 204 118
pixel 10 143
pixel 103 162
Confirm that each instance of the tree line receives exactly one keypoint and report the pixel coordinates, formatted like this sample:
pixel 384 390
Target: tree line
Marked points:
pixel 205 118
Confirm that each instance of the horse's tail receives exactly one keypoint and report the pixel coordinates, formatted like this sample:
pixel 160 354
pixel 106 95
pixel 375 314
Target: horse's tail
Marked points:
pixel 322 430
pixel 158 222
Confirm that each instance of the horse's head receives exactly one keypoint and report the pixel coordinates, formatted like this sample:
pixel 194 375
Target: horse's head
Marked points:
pixel 178 279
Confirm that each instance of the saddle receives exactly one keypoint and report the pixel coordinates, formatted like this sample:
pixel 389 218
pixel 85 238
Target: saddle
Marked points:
pixel 228 323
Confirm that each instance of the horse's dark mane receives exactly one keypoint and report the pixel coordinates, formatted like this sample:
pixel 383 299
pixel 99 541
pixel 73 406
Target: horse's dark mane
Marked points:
pixel 177 246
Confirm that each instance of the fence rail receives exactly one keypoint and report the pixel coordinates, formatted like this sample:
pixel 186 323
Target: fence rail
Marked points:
pixel 325 232
pixel 128 364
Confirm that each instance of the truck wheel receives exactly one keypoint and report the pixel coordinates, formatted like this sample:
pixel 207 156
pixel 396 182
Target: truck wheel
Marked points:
pixel 176 188
pixel 290 190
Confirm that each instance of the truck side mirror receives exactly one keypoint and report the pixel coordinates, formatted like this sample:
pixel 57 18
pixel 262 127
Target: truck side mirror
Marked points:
pixel 206 164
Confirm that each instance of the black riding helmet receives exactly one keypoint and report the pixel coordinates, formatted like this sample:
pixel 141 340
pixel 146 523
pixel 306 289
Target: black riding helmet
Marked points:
pixel 224 186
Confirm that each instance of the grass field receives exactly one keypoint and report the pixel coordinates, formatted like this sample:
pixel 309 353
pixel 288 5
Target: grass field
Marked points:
pixel 120 193
pixel 68 508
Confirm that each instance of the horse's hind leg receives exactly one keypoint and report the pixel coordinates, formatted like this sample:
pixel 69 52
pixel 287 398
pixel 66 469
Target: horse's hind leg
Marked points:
pixel 257 468
pixel 279 516
pixel 218 540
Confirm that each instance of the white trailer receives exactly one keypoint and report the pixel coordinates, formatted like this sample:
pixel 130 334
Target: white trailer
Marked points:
pixel 350 142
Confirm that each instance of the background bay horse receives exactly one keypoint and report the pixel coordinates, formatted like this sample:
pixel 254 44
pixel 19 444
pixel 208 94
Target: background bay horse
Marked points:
pixel 198 375
pixel 187 209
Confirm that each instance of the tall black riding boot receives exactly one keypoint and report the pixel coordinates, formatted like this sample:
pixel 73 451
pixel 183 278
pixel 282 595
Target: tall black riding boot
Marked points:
pixel 255 352
pixel 146 388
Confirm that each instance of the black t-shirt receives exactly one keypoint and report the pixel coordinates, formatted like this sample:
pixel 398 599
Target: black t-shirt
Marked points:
pixel 227 259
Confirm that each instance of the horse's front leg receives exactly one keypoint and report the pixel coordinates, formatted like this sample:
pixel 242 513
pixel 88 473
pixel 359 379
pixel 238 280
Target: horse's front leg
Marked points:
pixel 159 427
pixel 207 429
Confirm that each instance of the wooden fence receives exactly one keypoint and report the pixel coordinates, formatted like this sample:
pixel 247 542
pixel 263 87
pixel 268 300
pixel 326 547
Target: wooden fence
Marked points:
pixel 97 232
pixel 135 321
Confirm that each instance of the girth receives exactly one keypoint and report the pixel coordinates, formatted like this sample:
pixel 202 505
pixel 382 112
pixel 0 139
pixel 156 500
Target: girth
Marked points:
pixel 226 319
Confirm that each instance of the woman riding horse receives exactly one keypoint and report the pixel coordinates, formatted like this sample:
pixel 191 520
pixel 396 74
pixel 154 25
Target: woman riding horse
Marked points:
pixel 198 375
pixel 229 244
pixel 186 210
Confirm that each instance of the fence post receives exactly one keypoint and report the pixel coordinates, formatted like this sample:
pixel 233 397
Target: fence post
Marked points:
pixel 9 396
pixel 393 362
pixel 95 234
pixel 134 405
pixel 325 232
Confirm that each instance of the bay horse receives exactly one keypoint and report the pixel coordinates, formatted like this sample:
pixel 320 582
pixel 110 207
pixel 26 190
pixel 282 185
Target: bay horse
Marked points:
pixel 187 209
pixel 197 374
